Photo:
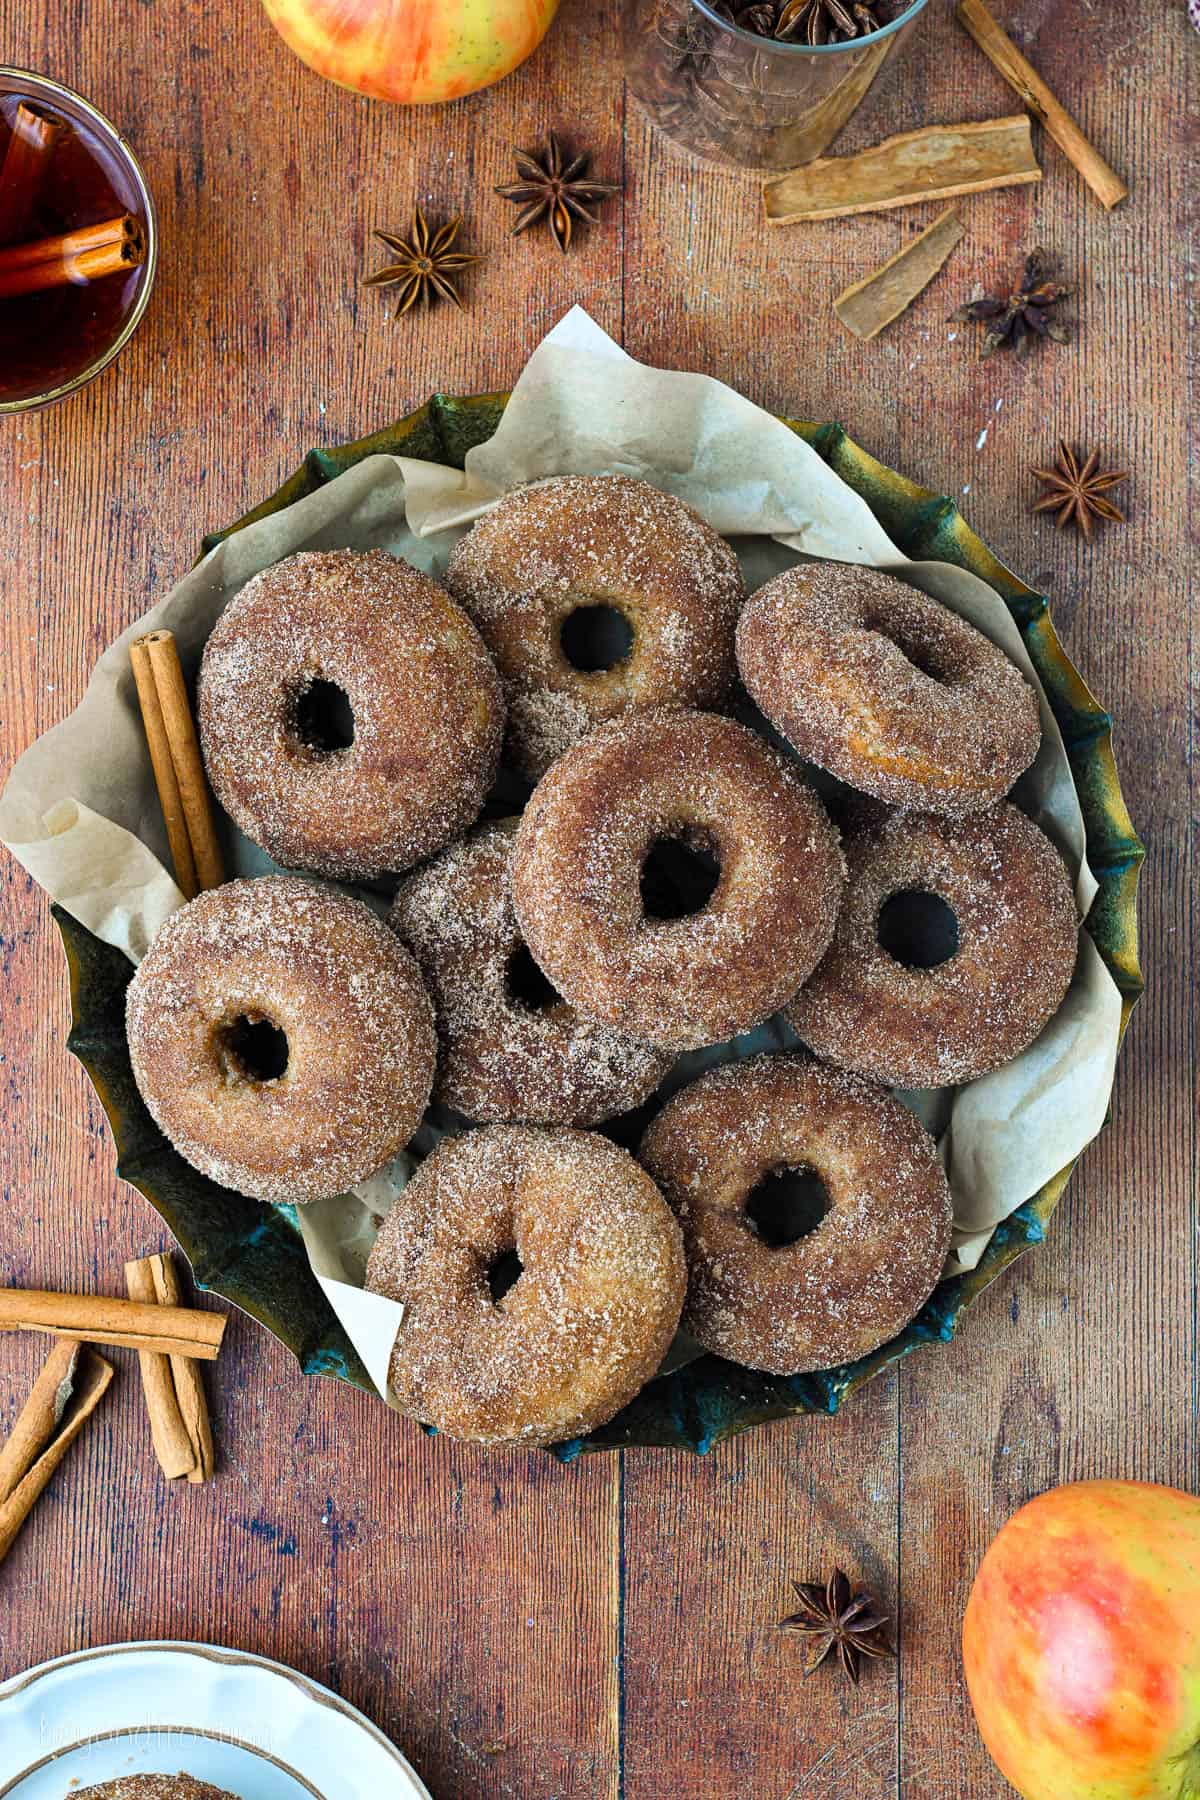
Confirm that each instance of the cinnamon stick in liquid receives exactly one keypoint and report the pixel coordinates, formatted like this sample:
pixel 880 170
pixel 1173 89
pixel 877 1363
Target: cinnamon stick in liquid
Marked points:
pixel 65 261
pixel 25 161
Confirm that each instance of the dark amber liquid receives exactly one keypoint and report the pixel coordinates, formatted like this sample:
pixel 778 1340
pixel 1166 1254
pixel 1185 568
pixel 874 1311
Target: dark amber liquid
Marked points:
pixel 47 339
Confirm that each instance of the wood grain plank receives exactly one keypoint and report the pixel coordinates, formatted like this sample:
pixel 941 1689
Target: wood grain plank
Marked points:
pixel 608 1630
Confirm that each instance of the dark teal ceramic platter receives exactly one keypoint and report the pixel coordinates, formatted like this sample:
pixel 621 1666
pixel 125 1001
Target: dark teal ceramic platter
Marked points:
pixel 252 1255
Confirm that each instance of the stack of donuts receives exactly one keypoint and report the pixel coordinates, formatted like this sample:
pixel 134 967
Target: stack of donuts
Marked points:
pixel 675 880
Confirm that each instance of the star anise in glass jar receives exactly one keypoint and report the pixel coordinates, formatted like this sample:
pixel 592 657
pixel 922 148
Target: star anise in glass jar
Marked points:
pixel 1025 314
pixel 835 1617
pixel 834 21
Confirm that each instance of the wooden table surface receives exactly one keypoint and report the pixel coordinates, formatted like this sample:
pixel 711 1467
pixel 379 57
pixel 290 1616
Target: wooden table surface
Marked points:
pixel 608 1629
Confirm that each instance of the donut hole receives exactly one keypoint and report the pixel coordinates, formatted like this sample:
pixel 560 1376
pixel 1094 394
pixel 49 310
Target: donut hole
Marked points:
pixel 680 873
pixel 525 984
pixel 786 1205
pixel 323 717
pixel 253 1049
pixel 503 1273
pixel 917 929
pixel 923 657
pixel 595 637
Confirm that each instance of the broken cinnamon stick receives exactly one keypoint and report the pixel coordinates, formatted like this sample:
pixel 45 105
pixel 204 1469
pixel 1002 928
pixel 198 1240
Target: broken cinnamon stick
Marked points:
pixel 172 1330
pixel 871 304
pixel 25 163
pixel 180 730
pixel 1024 79
pixel 936 163
pixel 163 766
pixel 64 1396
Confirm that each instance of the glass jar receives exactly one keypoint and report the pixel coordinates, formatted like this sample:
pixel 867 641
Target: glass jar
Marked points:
pixel 54 340
pixel 751 102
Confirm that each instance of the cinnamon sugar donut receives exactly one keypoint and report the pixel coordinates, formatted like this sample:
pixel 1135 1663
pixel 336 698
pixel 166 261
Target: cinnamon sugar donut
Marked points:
pixel 282 1038
pixel 511 1049
pixel 534 564
pixel 587 833
pixel 849 1284
pixel 152 1787
pixel 1017 935
pixel 350 716
pixel 887 689
pixel 588 1322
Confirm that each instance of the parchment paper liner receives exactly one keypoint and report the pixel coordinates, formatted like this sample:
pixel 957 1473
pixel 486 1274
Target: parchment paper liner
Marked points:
pixel 81 814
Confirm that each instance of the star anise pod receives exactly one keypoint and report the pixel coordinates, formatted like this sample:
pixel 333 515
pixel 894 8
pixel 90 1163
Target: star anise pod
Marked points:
pixel 835 1617
pixel 1076 491
pixel 552 186
pixel 426 264
pixel 1024 315
pixel 834 21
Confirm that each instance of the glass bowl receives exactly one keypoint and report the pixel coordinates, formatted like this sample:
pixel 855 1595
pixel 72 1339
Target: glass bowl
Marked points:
pixel 57 340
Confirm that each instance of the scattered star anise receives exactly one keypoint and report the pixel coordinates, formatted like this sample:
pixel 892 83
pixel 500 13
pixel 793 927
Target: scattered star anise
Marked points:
pixel 551 185
pixel 1076 490
pixel 426 266
pixel 1024 315
pixel 833 21
pixel 835 1617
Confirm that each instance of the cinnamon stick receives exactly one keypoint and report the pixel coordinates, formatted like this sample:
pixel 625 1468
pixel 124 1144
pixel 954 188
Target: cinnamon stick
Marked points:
pixel 63 265
pixel 172 1446
pixel 936 163
pixel 873 303
pixel 26 160
pixel 132 1325
pixel 1024 79
pixel 161 762
pixel 124 229
pixel 189 1382
pixel 180 732
pixel 65 1394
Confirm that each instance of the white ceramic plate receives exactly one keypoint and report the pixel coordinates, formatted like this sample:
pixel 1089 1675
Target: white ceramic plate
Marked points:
pixel 242 1723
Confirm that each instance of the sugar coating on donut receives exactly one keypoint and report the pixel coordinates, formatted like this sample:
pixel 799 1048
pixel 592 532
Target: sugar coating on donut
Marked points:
pixel 543 551
pixel 586 1325
pixel 583 840
pixel 869 1265
pixel 153 1787
pixel 501 1059
pixel 320 968
pixel 887 688
pixel 1018 934
pixel 425 700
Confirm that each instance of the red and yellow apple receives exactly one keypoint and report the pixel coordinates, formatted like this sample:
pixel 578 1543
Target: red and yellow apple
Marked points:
pixel 1082 1644
pixel 412 51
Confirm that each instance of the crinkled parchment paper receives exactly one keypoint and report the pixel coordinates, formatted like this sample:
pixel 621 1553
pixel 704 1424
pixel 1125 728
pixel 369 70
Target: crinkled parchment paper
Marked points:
pixel 80 810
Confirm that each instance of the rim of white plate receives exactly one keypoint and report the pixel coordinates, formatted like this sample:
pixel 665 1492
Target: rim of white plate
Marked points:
pixel 20 1759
